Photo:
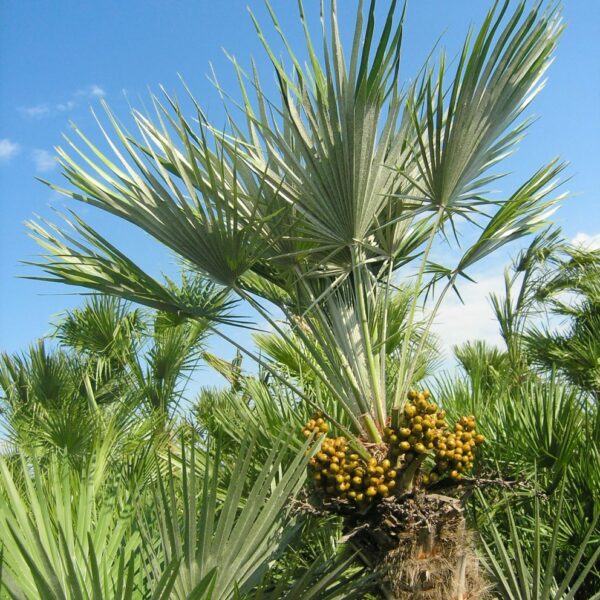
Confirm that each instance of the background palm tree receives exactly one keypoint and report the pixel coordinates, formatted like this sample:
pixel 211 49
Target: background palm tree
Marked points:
pixel 99 498
pixel 570 291
pixel 541 424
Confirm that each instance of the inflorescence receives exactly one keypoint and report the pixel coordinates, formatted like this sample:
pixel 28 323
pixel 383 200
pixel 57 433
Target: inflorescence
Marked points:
pixel 423 435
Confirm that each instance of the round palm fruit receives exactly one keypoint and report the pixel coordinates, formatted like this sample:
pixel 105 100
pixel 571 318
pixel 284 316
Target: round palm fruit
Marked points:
pixel 371 491
pixel 317 424
pixel 410 410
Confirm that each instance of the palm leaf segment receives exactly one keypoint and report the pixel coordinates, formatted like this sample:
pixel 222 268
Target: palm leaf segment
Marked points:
pixel 318 199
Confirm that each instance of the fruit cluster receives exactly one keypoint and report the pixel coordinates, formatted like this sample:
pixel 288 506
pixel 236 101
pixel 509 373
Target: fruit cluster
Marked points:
pixel 341 473
pixel 316 424
pixel 455 450
pixel 421 427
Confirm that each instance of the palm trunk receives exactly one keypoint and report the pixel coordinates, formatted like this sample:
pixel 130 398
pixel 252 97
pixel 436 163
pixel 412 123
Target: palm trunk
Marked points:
pixel 423 548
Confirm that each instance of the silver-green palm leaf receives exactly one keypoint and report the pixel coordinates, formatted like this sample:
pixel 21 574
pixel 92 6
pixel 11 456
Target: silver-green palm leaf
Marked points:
pixel 316 199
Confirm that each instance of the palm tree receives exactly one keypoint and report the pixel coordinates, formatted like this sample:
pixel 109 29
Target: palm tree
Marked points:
pixel 314 205
pixel 541 425
pixel 98 498
pixel 553 280
pixel 571 291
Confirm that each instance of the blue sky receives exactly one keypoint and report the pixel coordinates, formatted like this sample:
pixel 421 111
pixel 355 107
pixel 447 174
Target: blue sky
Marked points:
pixel 59 58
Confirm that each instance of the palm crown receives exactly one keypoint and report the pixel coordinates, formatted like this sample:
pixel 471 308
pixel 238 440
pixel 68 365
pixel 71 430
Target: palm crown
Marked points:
pixel 313 202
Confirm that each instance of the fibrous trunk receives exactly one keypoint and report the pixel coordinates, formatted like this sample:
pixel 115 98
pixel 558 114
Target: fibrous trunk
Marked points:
pixel 422 547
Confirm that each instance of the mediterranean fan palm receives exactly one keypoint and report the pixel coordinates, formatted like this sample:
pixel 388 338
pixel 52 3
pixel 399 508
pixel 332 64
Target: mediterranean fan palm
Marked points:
pixel 315 203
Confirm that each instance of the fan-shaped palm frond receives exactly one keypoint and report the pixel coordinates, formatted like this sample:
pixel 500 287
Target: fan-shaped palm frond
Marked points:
pixel 523 564
pixel 219 539
pixel 62 539
pixel 314 200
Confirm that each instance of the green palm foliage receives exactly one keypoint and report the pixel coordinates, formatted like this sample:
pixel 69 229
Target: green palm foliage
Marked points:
pixel 62 537
pixel 314 201
pixel 525 565
pixel 537 513
pixel 192 527
pixel 108 355
pixel 233 549
pixel 571 293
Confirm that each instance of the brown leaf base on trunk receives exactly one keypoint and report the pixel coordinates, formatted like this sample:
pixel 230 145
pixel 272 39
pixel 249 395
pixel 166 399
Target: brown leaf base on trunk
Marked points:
pixel 422 547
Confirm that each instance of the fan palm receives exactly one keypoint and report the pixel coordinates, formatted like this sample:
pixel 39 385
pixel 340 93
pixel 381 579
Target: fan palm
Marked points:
pixel 542 440
pixel 572 292
pixel 317 202
pixel 91 532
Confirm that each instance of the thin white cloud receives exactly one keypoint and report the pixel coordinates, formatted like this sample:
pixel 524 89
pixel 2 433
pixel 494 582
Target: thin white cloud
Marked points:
pixel 8 149
pixel 35 112
pixel 456 322
pixel 95 91
pixel 587 241
pixel 38 111
pixel 66 106
pixel 44 161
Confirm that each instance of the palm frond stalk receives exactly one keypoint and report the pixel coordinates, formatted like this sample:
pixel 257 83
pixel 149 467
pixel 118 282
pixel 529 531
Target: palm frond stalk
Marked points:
pixel 316 203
